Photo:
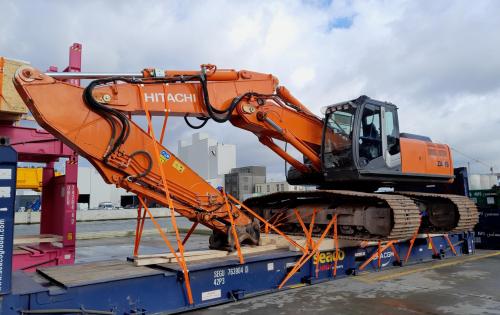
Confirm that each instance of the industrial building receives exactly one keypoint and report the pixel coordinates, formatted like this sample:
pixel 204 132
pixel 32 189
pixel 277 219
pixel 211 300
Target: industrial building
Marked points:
pixel 242 180
pixel 208 157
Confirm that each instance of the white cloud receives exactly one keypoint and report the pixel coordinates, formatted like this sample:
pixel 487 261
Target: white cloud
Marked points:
pixel 438 61
pixel 302 76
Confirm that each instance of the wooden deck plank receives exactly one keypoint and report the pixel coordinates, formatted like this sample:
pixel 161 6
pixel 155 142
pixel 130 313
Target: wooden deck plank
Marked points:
pixel 95 272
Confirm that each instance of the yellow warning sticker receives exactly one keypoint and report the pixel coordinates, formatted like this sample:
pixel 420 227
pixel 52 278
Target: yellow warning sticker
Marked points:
pixel 178 166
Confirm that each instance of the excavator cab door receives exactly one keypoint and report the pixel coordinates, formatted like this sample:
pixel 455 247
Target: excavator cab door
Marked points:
pixel 360 141
pixel 378 138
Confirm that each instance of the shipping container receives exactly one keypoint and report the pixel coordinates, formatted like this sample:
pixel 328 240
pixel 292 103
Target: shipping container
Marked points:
pixel 487 231
pixel 489 198
pixel 489 219
pixel 487 239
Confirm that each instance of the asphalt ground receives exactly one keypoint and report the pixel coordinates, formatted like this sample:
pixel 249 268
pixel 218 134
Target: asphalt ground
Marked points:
pixel 462 285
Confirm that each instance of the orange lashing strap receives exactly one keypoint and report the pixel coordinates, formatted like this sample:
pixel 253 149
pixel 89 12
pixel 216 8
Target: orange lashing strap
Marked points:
pixel 431 244
pixel 261 219
pixel 188 234
pixel 396 255
pixel 165 118
pixel 308 235
pixel 450 244
pixel 233 230
pixel 181 259
pixel 412 241
pixel 336 243
pixel 311 226
pixel 139 228
pixel 306 231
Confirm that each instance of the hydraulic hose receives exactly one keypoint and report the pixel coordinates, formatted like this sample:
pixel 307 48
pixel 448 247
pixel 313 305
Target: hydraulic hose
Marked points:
pixel 148 168
pixel 212 111
pixel 108 114
pixel 201 125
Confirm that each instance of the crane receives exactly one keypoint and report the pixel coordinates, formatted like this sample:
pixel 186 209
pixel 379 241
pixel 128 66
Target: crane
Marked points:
pixel 356 148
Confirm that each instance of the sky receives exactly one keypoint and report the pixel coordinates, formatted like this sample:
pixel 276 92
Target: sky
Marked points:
pixel 438 61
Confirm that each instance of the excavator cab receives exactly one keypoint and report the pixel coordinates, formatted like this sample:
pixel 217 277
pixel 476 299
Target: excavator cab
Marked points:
pixel 360 142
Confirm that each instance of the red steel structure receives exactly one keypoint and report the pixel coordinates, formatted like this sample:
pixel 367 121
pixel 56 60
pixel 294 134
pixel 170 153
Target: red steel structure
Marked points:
pixel 59 193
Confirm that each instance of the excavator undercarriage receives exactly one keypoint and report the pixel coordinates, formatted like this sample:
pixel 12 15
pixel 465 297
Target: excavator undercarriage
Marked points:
pixel 367 216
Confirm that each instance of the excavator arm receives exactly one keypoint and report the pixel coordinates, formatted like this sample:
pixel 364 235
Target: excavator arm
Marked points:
pixel 96 122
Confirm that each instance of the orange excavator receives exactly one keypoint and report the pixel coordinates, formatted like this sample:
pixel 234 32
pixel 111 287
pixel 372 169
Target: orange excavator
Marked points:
pixel 351 153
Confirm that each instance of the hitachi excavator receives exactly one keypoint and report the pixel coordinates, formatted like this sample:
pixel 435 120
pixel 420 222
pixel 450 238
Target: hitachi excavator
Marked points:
pixel 349 154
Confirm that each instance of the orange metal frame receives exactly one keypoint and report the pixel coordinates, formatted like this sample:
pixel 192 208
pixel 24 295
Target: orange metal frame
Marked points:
pixel 308 254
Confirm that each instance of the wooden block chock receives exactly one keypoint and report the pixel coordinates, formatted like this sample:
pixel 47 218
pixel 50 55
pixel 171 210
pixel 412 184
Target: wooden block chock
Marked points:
pixel 165 258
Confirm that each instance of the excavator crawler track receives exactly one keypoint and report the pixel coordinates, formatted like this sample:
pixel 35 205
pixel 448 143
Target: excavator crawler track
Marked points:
pixel 405 214
pixel 468 215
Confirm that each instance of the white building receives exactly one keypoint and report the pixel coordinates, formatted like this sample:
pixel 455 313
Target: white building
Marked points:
pixel 483 181
pixel 93 190
pixel 272 187
pixel 207 157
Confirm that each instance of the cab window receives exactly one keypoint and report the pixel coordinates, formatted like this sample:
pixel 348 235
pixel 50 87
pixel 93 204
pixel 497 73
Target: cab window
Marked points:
pixel 337 142
pixel 392 131
pixel 370 141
